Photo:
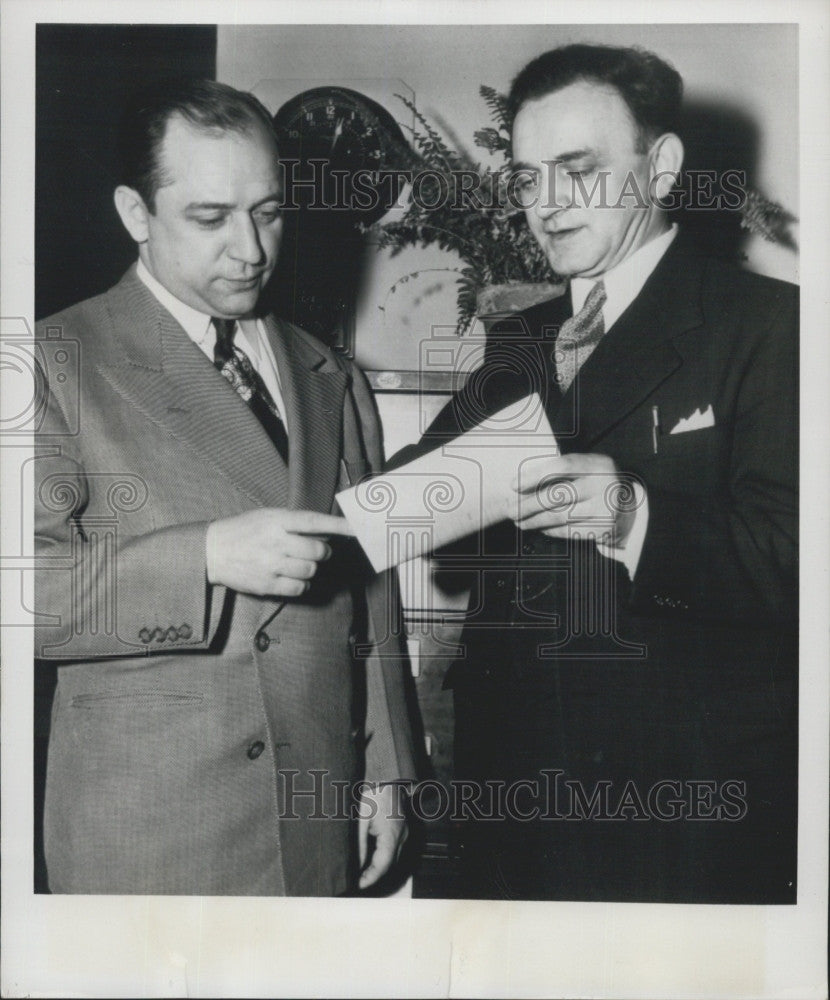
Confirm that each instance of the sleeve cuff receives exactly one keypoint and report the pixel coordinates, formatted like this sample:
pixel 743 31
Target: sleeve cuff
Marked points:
pixel 629 552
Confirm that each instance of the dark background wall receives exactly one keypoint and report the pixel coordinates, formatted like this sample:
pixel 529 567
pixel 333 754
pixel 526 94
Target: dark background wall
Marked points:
pixel 84 72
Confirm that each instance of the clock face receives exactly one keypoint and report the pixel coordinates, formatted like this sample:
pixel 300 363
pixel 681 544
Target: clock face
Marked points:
pixel 334 133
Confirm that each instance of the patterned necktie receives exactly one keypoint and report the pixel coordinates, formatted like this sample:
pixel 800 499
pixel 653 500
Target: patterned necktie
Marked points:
pixel 578 336
pixel 236 366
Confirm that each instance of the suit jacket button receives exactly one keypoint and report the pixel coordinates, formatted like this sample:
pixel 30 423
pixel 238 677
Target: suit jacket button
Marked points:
pixel 262 641
pixel 185 631
pixel 255 749
pixel 172 633
pixel 159 634
pixel 145 635
pixel 528 548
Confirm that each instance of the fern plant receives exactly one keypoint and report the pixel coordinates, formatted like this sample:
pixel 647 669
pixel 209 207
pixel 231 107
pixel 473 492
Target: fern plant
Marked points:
pixel 495 245
pixel 767 219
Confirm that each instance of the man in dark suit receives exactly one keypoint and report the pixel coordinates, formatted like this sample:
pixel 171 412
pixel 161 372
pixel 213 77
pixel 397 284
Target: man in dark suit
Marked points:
pixel 629 662
pixel 229 671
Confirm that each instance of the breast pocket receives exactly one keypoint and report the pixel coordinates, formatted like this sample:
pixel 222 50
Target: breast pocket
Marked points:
pixel 691 462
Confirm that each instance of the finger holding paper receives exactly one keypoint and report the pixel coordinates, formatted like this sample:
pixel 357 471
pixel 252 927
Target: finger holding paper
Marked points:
pixel 270 551
pixel 449 493
pixel 566 492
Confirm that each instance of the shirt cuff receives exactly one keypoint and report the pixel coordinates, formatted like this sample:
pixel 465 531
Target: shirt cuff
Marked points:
pixel 630 550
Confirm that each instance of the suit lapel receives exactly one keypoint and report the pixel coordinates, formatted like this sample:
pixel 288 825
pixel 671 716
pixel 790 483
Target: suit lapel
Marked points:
pixel 637 353
pixel 314 388
pixel 168 378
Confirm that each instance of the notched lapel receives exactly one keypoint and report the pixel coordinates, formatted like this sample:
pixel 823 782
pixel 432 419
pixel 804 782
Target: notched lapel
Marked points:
pixel 314 389
pixel 166 377
pixel 636 354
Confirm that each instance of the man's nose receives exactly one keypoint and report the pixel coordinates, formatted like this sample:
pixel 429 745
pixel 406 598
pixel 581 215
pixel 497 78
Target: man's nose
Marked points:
pixel 556 192
pixel 243 240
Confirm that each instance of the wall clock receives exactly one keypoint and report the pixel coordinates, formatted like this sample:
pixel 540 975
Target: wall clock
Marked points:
pixel 340 142
pixel 349 133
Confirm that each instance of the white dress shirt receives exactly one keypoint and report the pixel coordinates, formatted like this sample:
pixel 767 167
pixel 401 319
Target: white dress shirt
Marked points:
pixel 623 284
pixel 250 336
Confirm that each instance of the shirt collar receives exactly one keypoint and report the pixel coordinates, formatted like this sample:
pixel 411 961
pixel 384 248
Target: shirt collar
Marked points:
pixel 196 324
pixel 624 282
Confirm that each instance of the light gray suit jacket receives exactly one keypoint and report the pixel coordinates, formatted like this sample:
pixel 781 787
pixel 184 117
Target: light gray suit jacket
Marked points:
pixel 189 719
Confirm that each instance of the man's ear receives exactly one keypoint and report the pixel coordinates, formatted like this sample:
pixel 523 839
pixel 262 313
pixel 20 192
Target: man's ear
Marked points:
pixel 666 159
pixel 133 212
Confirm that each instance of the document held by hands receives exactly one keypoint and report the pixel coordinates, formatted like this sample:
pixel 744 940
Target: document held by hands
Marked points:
pixel 461 487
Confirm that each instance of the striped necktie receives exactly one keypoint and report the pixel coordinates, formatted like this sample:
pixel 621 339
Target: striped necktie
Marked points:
pixel 236 366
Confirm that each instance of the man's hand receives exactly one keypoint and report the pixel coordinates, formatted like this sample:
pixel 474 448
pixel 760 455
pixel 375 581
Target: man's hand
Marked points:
pixel 381 816
pixel 559 494
pixel 268 552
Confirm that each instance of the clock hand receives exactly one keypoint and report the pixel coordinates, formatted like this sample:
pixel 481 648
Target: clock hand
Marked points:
pixel 338 128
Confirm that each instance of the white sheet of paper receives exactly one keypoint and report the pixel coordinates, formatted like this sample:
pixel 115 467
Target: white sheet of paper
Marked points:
pixel 460 487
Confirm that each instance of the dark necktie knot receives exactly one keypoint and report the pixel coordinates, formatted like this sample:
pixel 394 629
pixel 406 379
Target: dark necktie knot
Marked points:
pixel 225 329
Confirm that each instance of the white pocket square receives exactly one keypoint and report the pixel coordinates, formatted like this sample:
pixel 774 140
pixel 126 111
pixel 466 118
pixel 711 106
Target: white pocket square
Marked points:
pixel 695 422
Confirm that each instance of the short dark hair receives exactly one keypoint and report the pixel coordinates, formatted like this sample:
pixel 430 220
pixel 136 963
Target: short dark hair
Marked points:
pixel 207 105
pixel 650 87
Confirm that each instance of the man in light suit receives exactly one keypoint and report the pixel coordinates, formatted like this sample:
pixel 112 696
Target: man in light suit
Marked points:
pixel 629 662
pixel 229 670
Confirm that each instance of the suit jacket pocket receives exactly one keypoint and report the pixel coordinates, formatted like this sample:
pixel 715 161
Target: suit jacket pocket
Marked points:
pixel 687 442
pixel 691 462
pixel 104 738
pixel 106 700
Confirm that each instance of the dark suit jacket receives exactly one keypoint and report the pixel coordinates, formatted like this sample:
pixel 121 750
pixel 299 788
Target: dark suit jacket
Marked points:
pixel 688 673
pixel 184 712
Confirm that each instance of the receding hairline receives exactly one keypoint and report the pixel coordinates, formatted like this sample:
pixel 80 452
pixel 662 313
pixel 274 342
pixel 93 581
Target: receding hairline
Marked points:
pixel 245 129
pixel 177 117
